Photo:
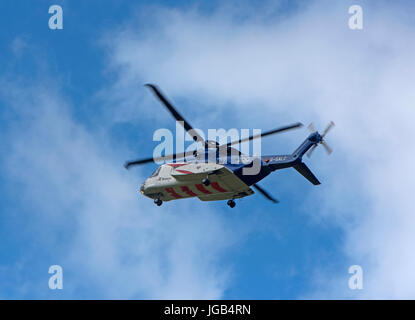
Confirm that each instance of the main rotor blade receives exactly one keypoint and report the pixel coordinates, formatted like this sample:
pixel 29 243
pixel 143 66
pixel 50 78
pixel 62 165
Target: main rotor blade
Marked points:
pixel 330 125
pixel 264 193
pixel 267 133
pixel 132 163
pixel 186 125
pixel 169 157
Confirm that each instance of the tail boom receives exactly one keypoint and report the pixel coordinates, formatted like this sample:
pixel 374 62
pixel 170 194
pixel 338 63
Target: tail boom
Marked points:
pixel 294 160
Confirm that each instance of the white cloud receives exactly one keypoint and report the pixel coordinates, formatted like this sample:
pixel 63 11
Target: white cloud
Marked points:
pixel 311 62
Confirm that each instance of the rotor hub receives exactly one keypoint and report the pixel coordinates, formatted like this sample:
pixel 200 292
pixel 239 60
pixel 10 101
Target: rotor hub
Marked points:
pixel 212 144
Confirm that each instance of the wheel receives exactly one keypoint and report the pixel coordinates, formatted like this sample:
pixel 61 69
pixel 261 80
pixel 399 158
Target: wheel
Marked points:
pixel 206 182
pixel 158 202
pixel 231 203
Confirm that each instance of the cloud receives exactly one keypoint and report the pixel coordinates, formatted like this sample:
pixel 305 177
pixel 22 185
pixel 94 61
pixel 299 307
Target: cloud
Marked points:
pixel 18 46
pixel 76 206
pixel 80 209
pixel 307 65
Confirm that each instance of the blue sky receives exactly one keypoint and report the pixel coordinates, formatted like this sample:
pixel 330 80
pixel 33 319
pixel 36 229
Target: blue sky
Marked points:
pixel 73 109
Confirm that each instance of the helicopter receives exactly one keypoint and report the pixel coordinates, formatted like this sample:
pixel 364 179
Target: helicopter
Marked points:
pixel 218 172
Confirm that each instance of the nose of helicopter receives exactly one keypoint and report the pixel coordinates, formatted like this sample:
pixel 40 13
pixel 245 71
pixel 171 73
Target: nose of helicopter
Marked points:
pixel 142 188
pixel 147 189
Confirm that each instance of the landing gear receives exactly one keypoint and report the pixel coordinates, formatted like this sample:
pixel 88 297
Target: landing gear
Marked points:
pixel 206 182
pixel 158 202
pixel 231 203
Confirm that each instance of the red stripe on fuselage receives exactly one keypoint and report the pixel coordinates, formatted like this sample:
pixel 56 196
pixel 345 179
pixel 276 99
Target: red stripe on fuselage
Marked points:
pixel 175 165
pixel 189 192
pixel 216 186
pixel 184 171
pixel 173 193
pixel 201 188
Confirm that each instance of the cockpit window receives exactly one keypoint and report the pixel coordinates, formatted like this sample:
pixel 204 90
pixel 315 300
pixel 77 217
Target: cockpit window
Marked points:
pixel 155 173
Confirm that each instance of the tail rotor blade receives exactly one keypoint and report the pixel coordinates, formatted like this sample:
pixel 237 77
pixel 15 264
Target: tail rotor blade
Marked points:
pixel 311 127
pixel 330 125
pixel 311 150
pixel 326 147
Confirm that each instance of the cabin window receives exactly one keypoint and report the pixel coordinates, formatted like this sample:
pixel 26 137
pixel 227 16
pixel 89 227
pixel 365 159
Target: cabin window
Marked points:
pixel 155 173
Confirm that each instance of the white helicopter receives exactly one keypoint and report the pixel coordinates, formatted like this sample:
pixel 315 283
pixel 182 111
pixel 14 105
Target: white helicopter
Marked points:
pixel 212 173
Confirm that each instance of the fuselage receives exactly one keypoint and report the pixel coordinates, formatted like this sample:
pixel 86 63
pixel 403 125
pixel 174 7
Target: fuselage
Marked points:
pixel 210 176
pixel 229 177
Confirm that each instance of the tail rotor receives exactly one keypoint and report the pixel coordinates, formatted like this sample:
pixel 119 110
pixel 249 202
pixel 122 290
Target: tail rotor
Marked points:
pixel 321 139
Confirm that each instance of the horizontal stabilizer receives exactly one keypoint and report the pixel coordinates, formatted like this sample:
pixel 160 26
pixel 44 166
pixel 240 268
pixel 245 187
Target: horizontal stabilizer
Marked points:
pixel 306 173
